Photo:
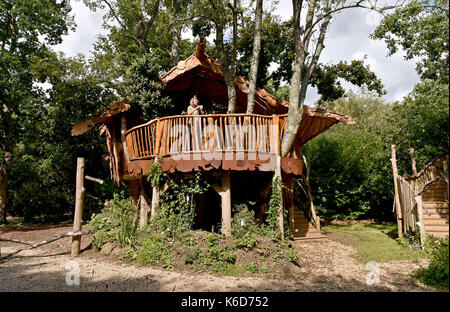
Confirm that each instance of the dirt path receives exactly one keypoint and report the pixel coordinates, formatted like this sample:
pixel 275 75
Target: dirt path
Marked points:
pixel 325 266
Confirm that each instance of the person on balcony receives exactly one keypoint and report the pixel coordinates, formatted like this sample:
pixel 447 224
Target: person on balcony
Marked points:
pixel 196 130
pixel 194 108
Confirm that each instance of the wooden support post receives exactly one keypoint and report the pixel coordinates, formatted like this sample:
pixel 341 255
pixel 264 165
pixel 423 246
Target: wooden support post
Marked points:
pixel 314 218
pixel 225 195
pixel 79 201
pixel 143 211
pixel 397 198
pixel 123 129
pixel 420 223
pixel 155 200
pixel 413 162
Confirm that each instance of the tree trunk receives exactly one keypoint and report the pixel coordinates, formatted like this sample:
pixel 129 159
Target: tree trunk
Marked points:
pixel 295 107
pixel 4 176
pixel 299 83
pixel 175 50
pixel 227 68
pixel 5 162
pixel 255 57
pixel 176 36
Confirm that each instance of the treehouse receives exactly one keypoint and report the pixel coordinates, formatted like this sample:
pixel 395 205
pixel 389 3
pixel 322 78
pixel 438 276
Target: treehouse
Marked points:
pixel 239 153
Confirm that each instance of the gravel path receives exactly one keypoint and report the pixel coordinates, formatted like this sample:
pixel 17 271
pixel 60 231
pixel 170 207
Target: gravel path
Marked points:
pixel 325 266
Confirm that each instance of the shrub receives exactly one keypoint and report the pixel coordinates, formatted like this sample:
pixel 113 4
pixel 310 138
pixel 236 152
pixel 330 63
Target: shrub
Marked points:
pixel 155 250
pixel 117 223
pixel 213 239
pixel 437 272
pixel 251 267
pixel 243 221
pixel 176 208
pixel 248 241
pixel 263 269
pixel 191 254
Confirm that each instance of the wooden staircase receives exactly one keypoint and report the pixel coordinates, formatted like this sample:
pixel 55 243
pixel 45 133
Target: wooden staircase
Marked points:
pixel 304 229
pixel 435 212
pixel 435 218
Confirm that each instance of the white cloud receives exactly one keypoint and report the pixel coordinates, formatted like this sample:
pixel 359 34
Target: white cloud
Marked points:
pixel 89 25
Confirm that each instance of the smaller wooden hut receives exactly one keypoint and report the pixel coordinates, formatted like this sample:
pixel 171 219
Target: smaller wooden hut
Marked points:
pixel 422 200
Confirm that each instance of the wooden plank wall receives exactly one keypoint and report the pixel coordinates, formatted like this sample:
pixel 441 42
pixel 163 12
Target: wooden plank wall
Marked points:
pixel 435 203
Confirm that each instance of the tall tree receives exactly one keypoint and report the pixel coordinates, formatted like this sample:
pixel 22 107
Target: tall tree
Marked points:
pixel 307 52
pixel 26 28
pixel 421 29
pixel 254 62
pixel 224 15
pixel 44 163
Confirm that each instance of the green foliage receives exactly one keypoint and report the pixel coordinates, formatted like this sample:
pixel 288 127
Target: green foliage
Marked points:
pixel 118 222
pixel 155 250
pixel 373 242
pixel 437 272
pixel 325 78
pixel 248 241
pixel 191 254
pixel 27 31
pixel 263 269
pixel 220 260
pixel 145 90
pixel 243 221
pixel 412 238
pixel 155 174
pixel 175 212
pixel 42 180
pixel 350 164
pixel 213 239
pixel 251 267
pixel 271 227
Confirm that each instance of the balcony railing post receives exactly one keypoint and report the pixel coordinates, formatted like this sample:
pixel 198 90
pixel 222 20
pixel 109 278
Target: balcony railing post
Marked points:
pixel 158 138
pixel 275 137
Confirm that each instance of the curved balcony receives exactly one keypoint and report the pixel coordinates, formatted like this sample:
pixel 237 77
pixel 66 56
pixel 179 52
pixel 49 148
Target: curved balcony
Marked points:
pixel 226 141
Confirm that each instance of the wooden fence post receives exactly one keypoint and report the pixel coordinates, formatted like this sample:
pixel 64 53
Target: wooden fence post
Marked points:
pixel 397 198
pixel 79 202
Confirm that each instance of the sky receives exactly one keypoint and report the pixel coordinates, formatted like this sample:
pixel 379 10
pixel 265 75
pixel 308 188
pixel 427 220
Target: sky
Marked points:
pixel 347 39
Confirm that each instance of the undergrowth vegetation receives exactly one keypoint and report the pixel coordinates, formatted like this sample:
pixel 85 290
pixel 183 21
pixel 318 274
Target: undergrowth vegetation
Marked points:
pixel 169 241
pixel 436 274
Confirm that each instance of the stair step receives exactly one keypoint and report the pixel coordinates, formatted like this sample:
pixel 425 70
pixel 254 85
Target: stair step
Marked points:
pixel 434 220
pixel 317 238
pixel 438 234
pixel 436 227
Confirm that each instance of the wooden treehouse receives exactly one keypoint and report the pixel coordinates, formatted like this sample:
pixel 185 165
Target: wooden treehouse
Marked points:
pixel 422 199
pixel 239 153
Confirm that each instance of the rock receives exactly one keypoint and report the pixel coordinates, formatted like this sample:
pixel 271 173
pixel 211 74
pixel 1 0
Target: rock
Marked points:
pixel 289 268
pixel 117 251
pixel 107 249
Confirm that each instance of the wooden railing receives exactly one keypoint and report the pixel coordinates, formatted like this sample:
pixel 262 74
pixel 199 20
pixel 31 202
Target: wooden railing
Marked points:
pixel 206 134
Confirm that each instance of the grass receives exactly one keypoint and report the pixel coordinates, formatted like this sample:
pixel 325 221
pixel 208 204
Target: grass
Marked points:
pixel 374 242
